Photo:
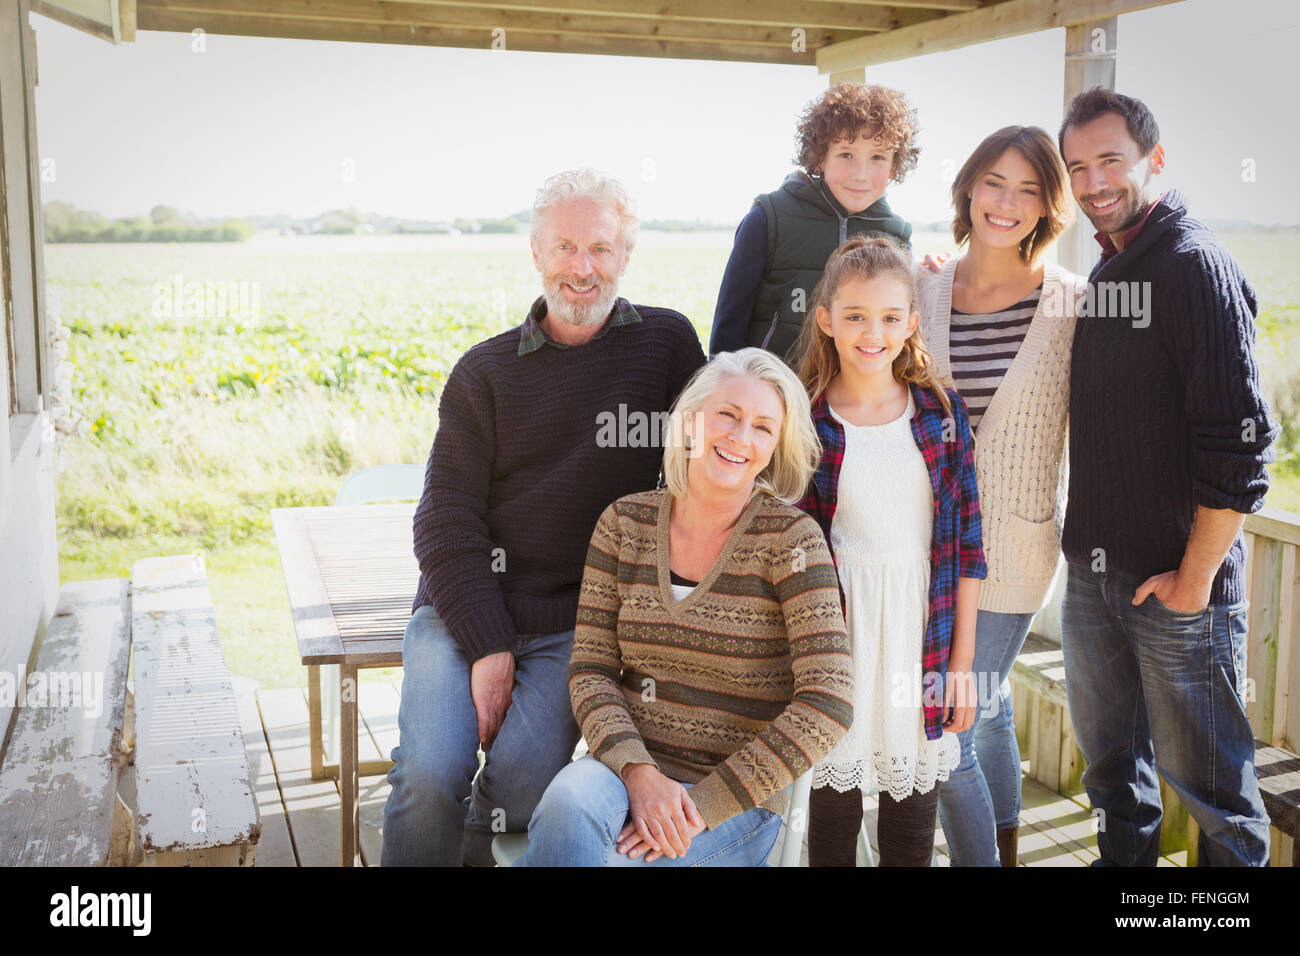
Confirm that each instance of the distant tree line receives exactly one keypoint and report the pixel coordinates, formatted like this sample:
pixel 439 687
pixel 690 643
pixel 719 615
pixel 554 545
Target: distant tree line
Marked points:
pixel 66 223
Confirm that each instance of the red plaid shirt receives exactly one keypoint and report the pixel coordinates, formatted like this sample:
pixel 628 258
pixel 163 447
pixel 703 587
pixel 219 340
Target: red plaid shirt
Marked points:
pixel 956 549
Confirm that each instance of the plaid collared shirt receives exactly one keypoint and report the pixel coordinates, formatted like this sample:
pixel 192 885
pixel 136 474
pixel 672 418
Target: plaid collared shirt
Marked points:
pixel 956 548
pixel 532 336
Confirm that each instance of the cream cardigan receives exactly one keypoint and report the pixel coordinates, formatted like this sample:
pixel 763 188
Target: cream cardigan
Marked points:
pixel 1020 444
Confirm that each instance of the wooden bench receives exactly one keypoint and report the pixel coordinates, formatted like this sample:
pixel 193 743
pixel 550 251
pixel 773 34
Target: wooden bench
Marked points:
pixel 59 772
pixel 196 805
pixel 1278 771
pixel 1046 738
pixel 1047 741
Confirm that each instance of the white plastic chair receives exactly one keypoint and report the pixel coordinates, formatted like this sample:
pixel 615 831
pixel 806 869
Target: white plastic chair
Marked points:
pixel 382 483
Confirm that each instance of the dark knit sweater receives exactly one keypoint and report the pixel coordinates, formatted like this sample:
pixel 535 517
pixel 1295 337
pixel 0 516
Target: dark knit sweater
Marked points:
pixel 1161 413
pixel 517 476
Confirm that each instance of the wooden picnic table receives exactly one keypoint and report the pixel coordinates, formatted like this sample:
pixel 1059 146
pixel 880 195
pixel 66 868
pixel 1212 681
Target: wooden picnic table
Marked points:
pixel 351 576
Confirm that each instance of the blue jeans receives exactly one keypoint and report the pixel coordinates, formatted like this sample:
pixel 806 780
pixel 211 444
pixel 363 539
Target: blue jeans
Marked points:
pixel 439 813
pixel 579 819
pixel 1149 680
pixel 983 794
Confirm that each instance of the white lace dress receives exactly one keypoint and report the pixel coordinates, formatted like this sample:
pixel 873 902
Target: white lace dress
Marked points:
pixel 881 537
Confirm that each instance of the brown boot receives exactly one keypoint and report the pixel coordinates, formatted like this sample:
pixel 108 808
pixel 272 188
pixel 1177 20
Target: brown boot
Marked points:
pixel 1007 846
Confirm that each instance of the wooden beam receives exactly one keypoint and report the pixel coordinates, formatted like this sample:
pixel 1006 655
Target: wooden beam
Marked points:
pixel 126 16
pixel 489 24
pixel 858 76
pixel 477 38
pixel 638 17
pixel 69 19
pixel 927 4
pixel 1009 19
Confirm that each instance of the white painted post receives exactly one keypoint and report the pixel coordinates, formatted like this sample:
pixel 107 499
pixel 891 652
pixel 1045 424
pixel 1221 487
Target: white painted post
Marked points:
pixel 1090 57
pixel 1090 54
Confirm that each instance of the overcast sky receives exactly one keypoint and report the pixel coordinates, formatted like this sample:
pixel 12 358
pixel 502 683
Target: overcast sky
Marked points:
pixel 263 126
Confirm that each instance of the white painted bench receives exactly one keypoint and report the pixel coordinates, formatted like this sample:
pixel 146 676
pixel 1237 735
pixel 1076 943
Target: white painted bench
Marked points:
pixel 59 771
pixel 195 799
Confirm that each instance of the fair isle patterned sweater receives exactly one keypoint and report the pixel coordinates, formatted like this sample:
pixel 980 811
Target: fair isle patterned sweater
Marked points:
pixel 738 688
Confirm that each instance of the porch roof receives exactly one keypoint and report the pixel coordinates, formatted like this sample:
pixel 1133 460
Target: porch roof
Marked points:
pixel 833 36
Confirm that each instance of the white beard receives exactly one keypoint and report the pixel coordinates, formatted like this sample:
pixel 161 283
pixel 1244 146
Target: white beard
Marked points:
pixel 559 308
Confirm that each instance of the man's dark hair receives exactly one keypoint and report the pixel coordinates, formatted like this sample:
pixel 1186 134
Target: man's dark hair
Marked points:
pixel 1098 101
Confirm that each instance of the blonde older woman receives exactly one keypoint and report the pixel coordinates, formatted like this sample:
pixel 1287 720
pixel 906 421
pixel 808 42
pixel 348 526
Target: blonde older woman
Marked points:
pixel 710 663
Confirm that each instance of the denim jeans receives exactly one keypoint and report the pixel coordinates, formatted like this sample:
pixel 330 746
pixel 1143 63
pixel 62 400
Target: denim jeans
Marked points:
pixel 1152 686
pixel 982 795
pixel 585 807
pixel 439 812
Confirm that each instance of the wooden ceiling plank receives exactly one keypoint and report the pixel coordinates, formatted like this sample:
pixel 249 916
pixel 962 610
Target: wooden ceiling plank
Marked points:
pixel 1008 19
pixel 153 18
pixel 805 14
pixel 74 20
pixel 485 21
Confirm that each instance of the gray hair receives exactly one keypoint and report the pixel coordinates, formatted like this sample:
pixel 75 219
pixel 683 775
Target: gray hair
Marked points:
pixel 798 449
pixel 586 184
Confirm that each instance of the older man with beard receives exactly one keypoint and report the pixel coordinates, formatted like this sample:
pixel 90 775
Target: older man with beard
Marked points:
pixel 518 475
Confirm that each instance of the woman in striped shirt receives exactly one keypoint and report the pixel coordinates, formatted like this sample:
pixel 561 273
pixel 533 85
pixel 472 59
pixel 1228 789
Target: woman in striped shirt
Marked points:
pixel 1000 323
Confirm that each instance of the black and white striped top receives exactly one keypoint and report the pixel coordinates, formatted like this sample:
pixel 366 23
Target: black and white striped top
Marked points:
pixel 981 348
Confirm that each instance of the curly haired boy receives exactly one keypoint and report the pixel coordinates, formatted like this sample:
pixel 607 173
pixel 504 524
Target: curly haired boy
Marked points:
pixel 852 142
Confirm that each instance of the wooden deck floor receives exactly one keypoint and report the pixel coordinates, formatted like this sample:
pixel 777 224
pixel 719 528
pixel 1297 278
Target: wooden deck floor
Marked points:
pixel 300 816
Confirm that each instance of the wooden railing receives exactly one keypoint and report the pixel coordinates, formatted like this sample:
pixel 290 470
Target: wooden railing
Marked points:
pixel 1272 669
pixel 1272 657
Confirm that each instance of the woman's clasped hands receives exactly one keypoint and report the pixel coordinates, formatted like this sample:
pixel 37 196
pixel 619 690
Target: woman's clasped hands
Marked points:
pixel 662 816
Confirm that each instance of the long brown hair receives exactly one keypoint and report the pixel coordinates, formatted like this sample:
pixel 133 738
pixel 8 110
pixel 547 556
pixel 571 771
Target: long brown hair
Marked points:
pixel 815 356
pixel 1039 152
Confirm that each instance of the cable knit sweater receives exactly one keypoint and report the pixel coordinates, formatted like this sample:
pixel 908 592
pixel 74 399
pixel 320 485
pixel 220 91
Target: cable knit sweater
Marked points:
pixel 1020 443
pixel 739 687
pixel 1166 409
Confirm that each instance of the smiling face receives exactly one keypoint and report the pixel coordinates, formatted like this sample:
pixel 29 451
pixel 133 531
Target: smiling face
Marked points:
pixel 1109 176
pixel 580 253
pixel 869 320
pixel 857 171
pixel 1006 202
pixel 734 434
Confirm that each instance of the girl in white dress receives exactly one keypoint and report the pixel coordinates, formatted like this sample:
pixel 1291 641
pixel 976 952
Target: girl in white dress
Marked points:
pixel 896 497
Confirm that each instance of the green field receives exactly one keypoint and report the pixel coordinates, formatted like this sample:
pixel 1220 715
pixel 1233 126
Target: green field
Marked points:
pixel 200 421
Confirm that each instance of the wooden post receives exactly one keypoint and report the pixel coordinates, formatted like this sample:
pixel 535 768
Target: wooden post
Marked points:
pixel 1090 54
pixel 1286 638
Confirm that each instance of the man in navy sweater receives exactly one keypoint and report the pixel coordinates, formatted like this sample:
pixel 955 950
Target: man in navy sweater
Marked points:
pixel 1169 438
pixel 524 463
